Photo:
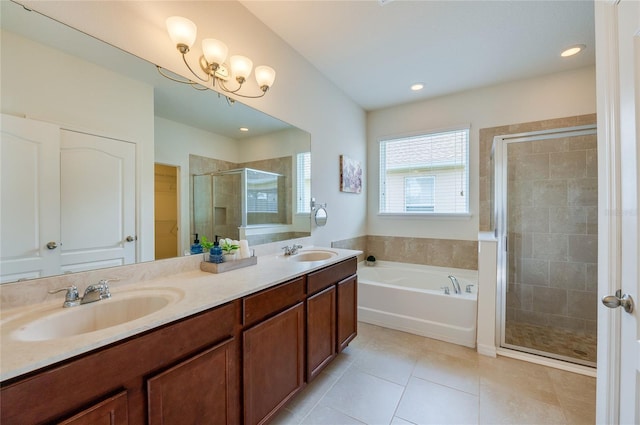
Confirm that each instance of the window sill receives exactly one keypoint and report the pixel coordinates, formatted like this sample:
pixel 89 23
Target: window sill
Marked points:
pixel 445 216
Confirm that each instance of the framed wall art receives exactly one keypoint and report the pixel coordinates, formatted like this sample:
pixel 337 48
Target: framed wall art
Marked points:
pixel 350 175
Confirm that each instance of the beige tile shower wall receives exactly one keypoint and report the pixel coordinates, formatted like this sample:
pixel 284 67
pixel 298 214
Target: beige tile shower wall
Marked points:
pixel 552 187
pixel 434 252
pixel 486 142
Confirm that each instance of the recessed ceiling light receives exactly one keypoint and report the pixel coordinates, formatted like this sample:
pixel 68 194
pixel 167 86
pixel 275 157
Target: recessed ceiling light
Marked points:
pixel 417 86
pixel 245 129
pixel 573 50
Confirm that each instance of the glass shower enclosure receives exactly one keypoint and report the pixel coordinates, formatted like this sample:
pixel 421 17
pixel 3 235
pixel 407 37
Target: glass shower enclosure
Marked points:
pixel 226 202
pixel 545 215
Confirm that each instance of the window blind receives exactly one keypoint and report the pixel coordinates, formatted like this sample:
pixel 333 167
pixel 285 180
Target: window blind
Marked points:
pixel 303 186
pixel 425 174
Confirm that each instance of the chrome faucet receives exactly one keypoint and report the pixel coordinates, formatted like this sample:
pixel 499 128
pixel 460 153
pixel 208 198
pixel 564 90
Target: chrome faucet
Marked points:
pixel 455 283
pixel 72 298
pixel 97 292
pixel 93 293
pixel 291 250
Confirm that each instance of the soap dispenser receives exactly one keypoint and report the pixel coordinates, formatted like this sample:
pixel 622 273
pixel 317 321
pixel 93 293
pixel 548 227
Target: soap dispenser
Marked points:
pixel 215 253
pixel 196 248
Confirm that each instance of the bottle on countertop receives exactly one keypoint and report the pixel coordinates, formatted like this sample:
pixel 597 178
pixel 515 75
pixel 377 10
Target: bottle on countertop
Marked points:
pixel 196 248
pixel 215 253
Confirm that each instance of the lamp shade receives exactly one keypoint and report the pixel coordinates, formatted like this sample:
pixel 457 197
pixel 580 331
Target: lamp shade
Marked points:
pixel 265 76
pixel 241 66
pixel 214 51
pixel 181 30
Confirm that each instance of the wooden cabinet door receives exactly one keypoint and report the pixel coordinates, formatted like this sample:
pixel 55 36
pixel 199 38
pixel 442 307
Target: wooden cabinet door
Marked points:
pixel 321 331
pixel 199 390
pixel 112 411
pixel 273 367
pixel 347 311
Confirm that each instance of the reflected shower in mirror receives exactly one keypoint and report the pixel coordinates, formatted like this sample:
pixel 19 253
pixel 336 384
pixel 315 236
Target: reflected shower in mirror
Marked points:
pixel 97 89
pixel 260 201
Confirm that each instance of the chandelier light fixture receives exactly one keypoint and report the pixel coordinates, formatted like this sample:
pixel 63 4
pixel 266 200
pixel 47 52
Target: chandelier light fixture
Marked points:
pixel 214 53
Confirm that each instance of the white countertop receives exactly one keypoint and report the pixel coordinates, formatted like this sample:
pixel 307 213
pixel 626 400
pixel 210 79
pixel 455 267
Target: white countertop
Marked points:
pixel 195 291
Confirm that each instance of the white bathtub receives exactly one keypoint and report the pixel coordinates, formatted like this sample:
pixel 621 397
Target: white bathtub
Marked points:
pixel 408 297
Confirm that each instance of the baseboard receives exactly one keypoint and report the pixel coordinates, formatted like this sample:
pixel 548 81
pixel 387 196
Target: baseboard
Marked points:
pixel 487 350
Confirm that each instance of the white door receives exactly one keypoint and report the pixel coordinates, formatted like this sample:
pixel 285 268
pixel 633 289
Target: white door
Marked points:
pixel 618 33
pixel 29 204
pixel 97 202
pixel 629 47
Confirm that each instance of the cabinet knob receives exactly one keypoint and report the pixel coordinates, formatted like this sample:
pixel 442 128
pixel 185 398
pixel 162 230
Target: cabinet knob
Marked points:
pixel 131 238
pixel 52 245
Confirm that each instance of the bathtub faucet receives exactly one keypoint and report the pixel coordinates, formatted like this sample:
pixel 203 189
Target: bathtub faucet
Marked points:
pixel 456 285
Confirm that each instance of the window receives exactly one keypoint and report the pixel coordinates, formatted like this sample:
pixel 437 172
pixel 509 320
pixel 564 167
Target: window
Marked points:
pixel 303 173
pixel 425 174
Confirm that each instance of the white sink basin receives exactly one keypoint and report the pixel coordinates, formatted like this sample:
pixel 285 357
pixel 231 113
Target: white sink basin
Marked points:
pixel 312 255
pixel 121 308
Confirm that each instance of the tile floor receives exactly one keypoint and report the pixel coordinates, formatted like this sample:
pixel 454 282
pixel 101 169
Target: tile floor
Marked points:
pixel 391 377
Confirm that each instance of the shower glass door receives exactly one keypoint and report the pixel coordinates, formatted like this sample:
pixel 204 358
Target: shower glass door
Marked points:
pixel 546 216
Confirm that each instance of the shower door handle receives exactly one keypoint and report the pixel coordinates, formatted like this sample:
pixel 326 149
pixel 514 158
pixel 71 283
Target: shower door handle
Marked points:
pixel 619 300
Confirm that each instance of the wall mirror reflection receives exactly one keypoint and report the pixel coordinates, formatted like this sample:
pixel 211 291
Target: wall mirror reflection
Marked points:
pixel 100 151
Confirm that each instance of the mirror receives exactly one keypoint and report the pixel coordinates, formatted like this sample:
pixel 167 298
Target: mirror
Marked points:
pixel 321 216
pixel 92 87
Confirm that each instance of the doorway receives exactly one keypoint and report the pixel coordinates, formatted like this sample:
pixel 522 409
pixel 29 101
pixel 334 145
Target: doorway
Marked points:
pixel 546 218
pixel 166 211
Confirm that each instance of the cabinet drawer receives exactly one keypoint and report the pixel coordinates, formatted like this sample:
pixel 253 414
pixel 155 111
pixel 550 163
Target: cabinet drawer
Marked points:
pixel 263 304
pixel 321 279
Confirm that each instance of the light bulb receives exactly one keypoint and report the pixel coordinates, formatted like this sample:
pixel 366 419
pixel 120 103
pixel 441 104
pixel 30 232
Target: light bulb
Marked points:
pixel 182 32
pixel 573 50
pixel 240 67
pixel 265 76
pixel 215 51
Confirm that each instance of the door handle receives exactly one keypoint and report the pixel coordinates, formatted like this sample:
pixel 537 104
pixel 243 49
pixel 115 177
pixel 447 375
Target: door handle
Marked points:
pixel 131 238
pixel 619 300
pixel 52 245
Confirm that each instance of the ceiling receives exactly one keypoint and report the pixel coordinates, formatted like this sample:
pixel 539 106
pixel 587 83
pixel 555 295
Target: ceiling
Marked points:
pixel 374 51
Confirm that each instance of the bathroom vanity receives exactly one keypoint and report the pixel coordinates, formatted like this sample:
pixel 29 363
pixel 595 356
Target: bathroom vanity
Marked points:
pixel 238 361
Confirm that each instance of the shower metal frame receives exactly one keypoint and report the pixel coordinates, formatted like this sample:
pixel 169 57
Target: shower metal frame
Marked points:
pixel 500 221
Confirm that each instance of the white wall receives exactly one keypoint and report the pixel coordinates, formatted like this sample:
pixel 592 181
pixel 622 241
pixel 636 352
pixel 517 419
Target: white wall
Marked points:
pixel 301 95
pixel 47 85
pixel 552 96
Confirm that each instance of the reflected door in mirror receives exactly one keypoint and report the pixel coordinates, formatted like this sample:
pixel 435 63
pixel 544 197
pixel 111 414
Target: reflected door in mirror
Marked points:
pixel 29 208
pixel 68 200
pixel 97 192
